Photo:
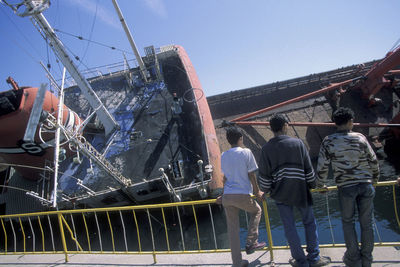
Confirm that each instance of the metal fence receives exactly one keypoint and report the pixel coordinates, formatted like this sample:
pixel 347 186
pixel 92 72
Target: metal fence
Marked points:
pixel 146 229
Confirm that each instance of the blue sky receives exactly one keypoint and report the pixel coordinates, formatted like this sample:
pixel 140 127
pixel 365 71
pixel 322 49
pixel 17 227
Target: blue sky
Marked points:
pixel 233 44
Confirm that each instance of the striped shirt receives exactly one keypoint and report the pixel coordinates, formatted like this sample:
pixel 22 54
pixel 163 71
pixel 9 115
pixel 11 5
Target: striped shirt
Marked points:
pixel 286 172
pixel 352 158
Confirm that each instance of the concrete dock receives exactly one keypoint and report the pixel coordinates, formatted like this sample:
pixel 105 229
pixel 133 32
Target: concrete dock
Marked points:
pixel 383 256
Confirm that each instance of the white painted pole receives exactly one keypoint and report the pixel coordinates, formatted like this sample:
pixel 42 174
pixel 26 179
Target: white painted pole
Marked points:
pixel 131 41
pixel 57 138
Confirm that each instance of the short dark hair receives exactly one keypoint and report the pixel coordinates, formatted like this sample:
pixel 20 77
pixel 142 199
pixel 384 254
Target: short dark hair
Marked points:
pixel 276 122
pixel 233 135
pixel 342 116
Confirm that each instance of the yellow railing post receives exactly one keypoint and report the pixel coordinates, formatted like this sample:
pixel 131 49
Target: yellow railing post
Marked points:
pixel 111 231
pixel 395 206
pixel 64 243
pixel 87 232
pixel 72 234
pixel 268 228
pixel 41 230
pixel 197 227
pixel 5 236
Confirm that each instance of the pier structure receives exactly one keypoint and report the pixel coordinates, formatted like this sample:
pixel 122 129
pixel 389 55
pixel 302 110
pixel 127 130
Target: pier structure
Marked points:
pixel 383 256
pixel 179 234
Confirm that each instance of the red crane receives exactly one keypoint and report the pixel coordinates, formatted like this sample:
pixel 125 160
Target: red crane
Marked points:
pixel 380 75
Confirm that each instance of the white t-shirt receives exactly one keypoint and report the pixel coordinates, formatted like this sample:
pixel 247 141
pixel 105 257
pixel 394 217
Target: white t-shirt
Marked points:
pixel 236 163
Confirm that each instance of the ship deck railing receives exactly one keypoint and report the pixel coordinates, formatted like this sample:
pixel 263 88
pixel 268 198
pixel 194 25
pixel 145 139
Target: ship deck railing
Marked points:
pixel 156 229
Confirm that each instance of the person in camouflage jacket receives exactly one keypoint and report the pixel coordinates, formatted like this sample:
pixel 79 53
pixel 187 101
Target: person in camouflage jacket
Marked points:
pixel 355 167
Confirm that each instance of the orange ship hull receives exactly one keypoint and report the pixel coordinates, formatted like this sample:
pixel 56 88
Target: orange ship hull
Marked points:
pixel 28 158
pixel 207 121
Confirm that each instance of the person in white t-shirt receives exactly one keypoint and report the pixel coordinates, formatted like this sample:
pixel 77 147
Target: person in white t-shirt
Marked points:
pixel 240 182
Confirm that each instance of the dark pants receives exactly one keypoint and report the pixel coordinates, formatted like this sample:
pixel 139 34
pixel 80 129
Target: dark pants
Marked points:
pixel 358 197
pixel 310 226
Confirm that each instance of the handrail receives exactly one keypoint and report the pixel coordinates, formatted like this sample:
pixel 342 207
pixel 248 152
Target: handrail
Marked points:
pixel 94 231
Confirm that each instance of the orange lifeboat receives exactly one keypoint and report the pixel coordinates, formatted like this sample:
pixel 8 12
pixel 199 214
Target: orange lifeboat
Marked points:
pixel 28 158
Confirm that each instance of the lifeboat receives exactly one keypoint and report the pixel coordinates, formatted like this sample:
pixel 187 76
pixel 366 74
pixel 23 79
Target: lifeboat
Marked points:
pixel 29 158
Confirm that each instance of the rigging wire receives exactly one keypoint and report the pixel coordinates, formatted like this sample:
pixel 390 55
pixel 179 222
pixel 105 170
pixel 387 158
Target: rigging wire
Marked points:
pixel 15 188
pixel 47 44
pixel 91 32
pixel 91 41
pixel 26 39
pixel 39 57
pixel 76 57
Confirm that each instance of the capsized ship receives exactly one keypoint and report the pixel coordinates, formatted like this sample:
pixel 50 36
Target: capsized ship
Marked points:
pixel 135 135
pixel 165 147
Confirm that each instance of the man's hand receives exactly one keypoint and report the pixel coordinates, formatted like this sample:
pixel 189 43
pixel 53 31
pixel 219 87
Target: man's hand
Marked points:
pixel 260 196
pixel 219 200
pixel 398 181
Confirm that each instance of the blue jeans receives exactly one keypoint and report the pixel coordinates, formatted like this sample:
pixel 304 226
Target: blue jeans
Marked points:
pixel 310 226
pixel 358 196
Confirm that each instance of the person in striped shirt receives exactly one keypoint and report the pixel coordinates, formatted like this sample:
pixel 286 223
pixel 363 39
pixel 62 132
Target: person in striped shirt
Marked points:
pixel 355 167
pixel 286 173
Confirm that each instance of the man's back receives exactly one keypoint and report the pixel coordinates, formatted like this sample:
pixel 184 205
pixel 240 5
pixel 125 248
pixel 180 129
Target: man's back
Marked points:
pixel 236 163
pixel 355 167
pixel 352 158
pixel 285 170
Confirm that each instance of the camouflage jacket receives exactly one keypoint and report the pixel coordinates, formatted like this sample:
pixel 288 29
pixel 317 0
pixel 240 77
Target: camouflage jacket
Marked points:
pixel 352 158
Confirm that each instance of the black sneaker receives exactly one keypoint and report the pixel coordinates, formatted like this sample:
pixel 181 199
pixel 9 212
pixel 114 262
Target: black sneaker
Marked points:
pixel 349 263
pixel 323 260
pixel 251 248
pixel 245 263
pixel 293 262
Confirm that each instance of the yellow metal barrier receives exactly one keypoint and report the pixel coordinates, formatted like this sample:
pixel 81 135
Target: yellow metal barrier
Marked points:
pixel 114 230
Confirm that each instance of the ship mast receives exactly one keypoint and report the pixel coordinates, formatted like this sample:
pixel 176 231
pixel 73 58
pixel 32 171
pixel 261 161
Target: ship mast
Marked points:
pixel 57 139
pixel 34 9
pixel 131 41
